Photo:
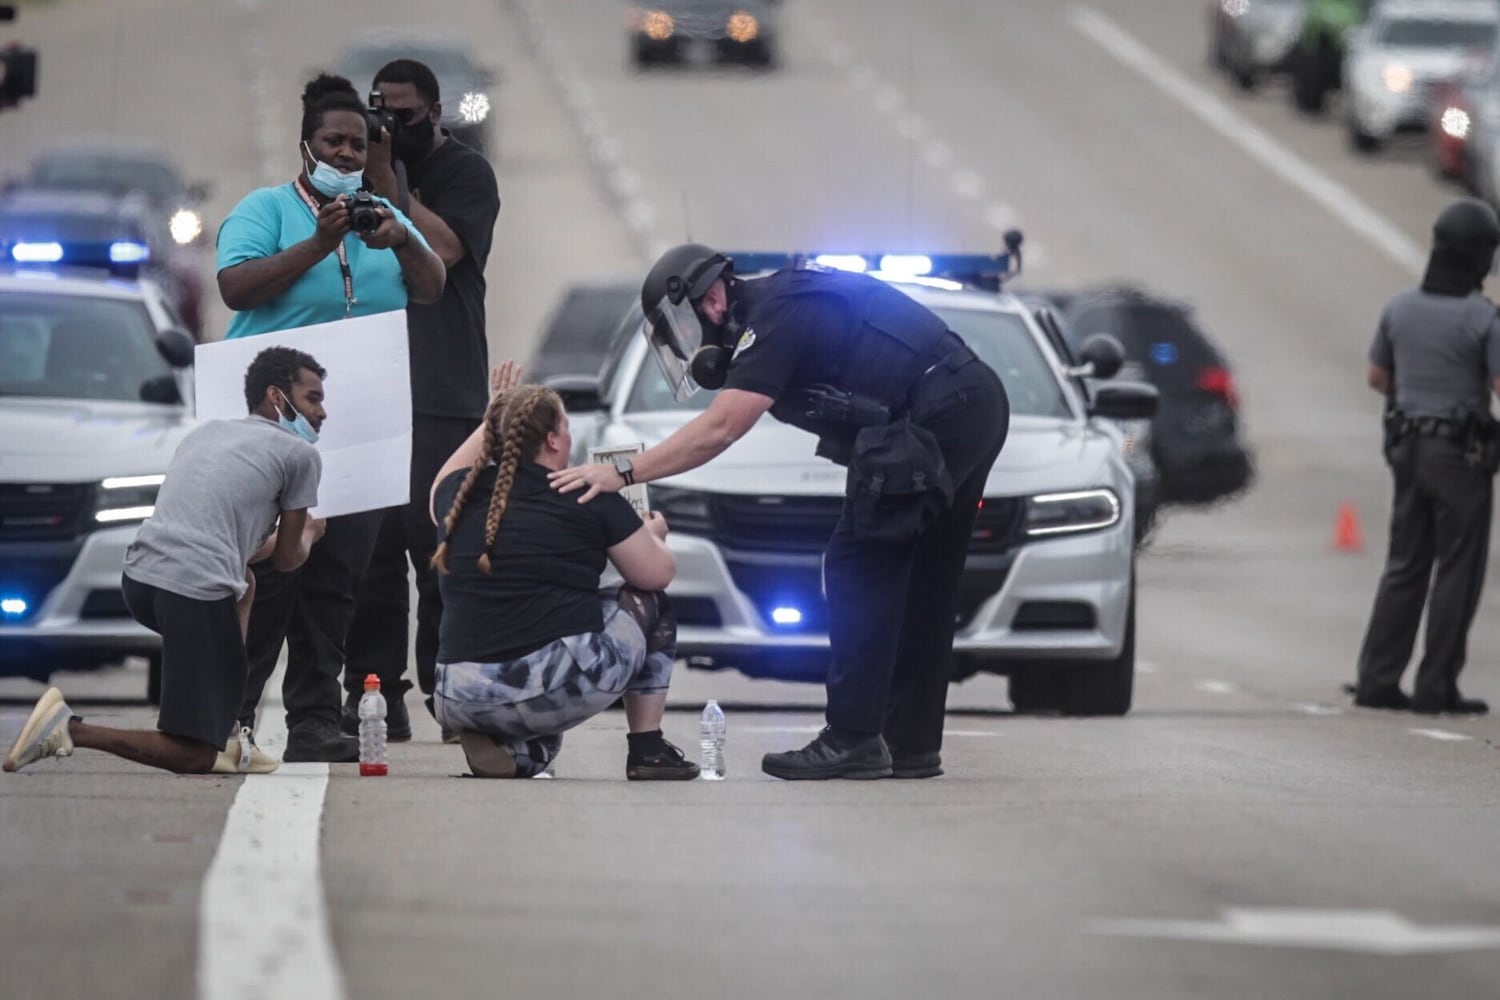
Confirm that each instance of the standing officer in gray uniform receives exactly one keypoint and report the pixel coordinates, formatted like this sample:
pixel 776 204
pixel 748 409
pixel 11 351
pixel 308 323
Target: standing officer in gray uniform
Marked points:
pixel 1436 358
pixel 907 407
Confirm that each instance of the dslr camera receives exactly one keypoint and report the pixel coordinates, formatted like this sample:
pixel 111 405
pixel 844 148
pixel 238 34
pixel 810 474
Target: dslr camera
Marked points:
pixel 364 212
pixel 17 68
pixel 377 117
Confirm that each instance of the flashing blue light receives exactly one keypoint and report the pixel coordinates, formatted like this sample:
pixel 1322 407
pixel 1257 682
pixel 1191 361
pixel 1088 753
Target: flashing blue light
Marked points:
pixel 906 263
pixel 843 261
pixel 786 616
pixel 13 607
pixel 36 253
pixel 1164 353
pixel 128 252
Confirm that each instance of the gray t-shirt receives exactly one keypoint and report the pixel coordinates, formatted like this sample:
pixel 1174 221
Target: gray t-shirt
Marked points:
pixel 1443 350
pixel 227 483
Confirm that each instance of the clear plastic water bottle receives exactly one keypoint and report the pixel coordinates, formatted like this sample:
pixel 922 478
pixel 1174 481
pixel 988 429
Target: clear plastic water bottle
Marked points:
pixel 372 728
pixel 711 741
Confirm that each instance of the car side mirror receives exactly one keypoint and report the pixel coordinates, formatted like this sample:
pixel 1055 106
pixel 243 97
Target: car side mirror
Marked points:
pixel 1124 401
pixel 199 192
pixel 176 347
pixel 580 393
pixel 1099 356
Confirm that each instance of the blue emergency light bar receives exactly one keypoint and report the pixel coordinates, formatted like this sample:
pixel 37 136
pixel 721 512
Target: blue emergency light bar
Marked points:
pixel 983 270
pixel 117 255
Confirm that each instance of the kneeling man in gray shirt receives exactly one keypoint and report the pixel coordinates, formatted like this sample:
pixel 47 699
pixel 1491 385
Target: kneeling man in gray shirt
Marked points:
pixel 229 484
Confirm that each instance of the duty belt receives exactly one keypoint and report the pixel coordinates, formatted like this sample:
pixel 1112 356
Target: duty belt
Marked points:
pixel 1443 427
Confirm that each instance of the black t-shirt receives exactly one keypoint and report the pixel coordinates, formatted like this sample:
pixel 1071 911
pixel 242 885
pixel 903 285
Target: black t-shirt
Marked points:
pixel 544 567
pixel 449 353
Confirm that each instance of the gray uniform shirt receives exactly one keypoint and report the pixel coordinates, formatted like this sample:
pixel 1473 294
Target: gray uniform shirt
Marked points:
pixel 227 483
pixel 1443 350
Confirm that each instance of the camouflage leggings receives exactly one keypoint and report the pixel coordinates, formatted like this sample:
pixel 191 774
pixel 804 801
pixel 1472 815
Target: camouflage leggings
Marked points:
pixel 528 703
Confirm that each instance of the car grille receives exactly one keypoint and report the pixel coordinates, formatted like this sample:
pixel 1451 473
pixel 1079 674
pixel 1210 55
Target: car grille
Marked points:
pixel 33 512
pixel 804 524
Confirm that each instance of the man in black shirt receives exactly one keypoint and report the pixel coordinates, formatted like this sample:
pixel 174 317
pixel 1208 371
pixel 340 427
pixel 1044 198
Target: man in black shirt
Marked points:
pixel 919 420
pixel 449 193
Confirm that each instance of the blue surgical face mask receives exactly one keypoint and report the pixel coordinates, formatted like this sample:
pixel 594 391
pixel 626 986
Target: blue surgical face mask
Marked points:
pixel 299 426
pixel 330 180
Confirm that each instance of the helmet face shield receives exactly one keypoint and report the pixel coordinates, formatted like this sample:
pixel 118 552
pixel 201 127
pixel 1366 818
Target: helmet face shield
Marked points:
pixel 674 333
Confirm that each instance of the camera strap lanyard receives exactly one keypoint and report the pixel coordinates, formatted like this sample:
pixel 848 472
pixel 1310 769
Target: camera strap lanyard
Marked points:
pixel 312 204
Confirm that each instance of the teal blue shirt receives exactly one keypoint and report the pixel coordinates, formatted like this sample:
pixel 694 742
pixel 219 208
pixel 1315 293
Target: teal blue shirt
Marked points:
pixel 272 219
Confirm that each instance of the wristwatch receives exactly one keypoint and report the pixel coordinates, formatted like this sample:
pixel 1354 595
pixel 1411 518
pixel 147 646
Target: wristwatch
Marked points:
pixel 624 468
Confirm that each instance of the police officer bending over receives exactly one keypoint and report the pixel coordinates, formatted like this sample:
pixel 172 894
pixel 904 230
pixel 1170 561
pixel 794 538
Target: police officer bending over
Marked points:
pixel 1436 358
pixel 917 418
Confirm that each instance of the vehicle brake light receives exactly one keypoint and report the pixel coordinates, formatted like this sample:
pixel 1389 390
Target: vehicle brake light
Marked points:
pixel 1221 383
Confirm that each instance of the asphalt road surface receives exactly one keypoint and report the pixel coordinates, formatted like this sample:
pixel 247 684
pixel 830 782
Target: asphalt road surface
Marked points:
pixel 1242 833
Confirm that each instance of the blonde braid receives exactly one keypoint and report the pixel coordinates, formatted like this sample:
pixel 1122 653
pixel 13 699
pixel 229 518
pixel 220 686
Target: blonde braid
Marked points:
pixel 439 559
pixel 517 435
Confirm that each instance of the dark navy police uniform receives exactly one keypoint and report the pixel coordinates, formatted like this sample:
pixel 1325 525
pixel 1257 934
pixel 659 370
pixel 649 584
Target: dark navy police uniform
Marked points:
pixel 892 567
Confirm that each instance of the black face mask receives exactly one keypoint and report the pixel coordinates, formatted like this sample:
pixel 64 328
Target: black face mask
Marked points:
pixel 413 142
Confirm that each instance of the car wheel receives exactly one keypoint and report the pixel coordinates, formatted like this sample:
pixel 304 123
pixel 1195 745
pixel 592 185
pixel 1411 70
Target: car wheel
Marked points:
pixel 1036 690
pixel 1362 141
pixel 1308 90
pixel 153 678
pixel 1103 687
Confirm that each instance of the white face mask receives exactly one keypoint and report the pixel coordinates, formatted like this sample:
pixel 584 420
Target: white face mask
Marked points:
pixel 330 180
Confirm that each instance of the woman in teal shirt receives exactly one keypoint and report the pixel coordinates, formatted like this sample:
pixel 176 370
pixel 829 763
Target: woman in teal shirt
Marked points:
pixel 284 254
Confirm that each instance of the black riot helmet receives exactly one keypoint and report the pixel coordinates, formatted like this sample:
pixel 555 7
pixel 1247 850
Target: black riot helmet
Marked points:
pixel 1464 240
pixel 683 341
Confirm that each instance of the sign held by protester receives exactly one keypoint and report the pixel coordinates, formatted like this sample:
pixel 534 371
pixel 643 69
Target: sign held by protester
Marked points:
pixel 636 492
pixel 366 440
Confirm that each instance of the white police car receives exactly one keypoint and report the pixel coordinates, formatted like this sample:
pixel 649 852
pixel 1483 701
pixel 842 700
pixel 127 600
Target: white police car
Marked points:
pixel 93 375
pixel 1048 594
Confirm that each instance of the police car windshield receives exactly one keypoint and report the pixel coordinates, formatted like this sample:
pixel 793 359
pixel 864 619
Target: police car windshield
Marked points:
pixel 1002 339
pixel 1439 33
pixel 76 347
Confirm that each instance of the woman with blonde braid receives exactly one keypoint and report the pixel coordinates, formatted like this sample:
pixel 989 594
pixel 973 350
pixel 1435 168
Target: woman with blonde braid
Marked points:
pixel 529 646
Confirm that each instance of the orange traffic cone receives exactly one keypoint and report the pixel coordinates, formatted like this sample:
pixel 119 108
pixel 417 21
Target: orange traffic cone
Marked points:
pixel 1348 536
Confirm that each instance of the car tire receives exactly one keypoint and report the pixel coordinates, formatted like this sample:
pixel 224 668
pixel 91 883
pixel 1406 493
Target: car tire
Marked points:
pixel 1103 687
pixel 1036 690
pixel 1362 141
pixel 153 678
pixel 1309 91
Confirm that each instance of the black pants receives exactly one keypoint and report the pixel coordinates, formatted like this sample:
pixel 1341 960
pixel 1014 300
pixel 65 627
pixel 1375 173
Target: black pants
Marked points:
pixel 309 609
pixel 1441 513
pixel 891 605
pixel 378 635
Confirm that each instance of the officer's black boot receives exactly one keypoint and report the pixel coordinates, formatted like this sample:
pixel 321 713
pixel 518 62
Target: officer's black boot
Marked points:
pixel 832 755
pixel 909 764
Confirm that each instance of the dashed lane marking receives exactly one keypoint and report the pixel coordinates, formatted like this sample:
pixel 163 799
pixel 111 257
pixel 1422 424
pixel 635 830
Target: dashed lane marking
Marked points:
pixel 1338 200
pixel 1441 734
pixel 1216 687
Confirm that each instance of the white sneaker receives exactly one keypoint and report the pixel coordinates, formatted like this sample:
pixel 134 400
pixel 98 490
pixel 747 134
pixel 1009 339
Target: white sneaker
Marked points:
pixel 45 733
pixel 241 756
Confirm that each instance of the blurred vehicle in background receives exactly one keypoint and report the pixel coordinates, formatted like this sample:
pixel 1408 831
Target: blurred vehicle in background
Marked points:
pixel 1196 442
pixel 1047 595
pixel 466 87
pixel 674 32
pixel 1407 49
pixel 1317 59
pixel 1050 309
pixel 1451 112
pixel 123 233
pixel 120 170
pixel 1251 39
pixel 94 379
pixel 583 329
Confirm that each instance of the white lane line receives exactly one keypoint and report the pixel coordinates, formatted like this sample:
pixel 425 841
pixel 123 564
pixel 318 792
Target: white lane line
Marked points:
pixel 1441 734
pixel 262 919
pixel 1334 197
pixel 819 729
pixel 1313 708
pixel 1216 687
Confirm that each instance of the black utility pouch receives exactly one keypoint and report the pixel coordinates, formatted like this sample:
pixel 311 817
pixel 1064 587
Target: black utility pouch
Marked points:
pixel 898 482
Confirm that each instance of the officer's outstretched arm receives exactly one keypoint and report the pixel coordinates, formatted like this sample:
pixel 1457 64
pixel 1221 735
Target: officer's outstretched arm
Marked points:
pixel 728 417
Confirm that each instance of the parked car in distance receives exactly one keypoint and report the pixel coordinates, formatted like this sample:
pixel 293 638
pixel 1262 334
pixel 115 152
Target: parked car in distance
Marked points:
pixel 1252 39
pixel 1196 440
pixel 677 32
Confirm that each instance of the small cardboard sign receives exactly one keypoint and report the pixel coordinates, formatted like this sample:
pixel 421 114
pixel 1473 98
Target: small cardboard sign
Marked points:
pixel 636 493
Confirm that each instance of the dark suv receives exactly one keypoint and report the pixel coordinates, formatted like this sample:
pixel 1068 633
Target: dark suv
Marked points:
pixel 1195 437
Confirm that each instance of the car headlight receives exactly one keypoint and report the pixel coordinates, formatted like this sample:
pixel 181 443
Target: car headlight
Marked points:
pixel 474 107
pixel 657 25
pixel 1069 513
pixel 1397 77
pixel 742 27
pixel 1455 122
pixel 127 499
pixel 186 226
pixel 685 510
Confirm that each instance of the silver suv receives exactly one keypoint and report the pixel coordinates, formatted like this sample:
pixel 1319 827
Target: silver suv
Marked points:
pixel 93 374
pixel 1048 594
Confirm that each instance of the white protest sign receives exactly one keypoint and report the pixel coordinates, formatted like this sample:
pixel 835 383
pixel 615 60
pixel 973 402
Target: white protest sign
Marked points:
pixel 636 492
pixel 366 440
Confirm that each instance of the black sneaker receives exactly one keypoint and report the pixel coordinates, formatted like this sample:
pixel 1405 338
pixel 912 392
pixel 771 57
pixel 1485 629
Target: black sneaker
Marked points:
pixel 1392 698
pixel 319 740
pixel 397 720
pixel 666 763
pixel 916 765
pixel 832 755
pixel 1456 705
